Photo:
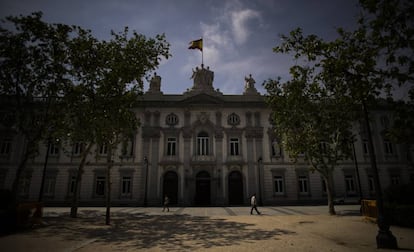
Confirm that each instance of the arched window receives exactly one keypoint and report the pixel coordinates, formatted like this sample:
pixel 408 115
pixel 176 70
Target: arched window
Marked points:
pixel 203 144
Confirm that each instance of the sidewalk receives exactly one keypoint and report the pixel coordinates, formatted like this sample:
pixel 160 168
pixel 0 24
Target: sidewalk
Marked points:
pixel 201 229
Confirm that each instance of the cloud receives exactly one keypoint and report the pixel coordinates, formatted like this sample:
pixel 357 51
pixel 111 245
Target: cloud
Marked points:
pixel 239 20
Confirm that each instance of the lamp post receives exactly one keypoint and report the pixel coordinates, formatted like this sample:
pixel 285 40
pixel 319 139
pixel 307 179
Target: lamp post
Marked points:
pixel 259 161
pixel 146 180
pixel 357 173
pixel 42 184
pixel 385 239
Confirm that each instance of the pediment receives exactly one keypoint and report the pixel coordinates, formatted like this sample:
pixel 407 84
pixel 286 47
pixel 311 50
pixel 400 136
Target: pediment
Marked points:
pixel 202 99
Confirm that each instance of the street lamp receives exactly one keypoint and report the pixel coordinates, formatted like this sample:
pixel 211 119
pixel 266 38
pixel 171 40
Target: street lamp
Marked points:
pixel 259 161
pixel 146 180
pixel 385 239
pixel 357 173
pixel 42 184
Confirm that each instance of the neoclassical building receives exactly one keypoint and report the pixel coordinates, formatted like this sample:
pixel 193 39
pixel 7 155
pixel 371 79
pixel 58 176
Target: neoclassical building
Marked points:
pixel 203 147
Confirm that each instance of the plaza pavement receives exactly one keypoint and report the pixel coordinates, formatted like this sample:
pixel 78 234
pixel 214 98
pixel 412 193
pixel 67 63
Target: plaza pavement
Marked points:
pixel 278 228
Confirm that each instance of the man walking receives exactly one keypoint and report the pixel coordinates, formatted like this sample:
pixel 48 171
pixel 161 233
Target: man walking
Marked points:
pixel 253 203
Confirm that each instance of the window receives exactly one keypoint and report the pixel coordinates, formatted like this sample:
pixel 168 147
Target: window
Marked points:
pixel 395 180
pixel 276 149
pixel 126 186
pixel 72 185
pixel 233 119
pixel 5 146
pixel 349 184
pixel 53 149
pixel 371 185
pixel 388 147
pixel 171 146
pixel 202 144
pixel 303 185
pixel 24 186
pixel 128 147
pixel 78 148
pixel 100 186
pixel 279 185
pixel 49 186
pixel 324 187
pixel 234 147
pixel 365 148
pixel 171 119
pixel 103 149
pixel 323 147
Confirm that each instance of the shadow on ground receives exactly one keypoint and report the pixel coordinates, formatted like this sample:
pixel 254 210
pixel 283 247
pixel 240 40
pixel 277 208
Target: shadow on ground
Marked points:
pixel 169 232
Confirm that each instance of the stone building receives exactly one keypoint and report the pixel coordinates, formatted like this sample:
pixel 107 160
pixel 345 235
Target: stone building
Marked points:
pixel 203 147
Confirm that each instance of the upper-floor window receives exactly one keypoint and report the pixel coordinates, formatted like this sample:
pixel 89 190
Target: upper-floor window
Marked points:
pixel 78 148
pixel 171 119
pixel 233 119
pixel 388 147
pixel 103 149
pixel 53 149
pixel 323 147
pixel 171 146
pixel 128 147
pixel 203 144
pixel 234 147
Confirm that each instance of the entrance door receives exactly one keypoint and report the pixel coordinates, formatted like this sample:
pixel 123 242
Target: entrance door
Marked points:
pixel 235 188
pixel 170 186
pixel 202 196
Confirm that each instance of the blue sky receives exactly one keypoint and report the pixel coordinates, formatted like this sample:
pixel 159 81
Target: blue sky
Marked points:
pixel 238 34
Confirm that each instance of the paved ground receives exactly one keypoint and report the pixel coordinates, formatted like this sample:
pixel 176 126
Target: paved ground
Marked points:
pixel 289 228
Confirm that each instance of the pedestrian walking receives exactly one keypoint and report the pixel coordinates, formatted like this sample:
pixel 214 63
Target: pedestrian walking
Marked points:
pixel 253 203
pixel 166 202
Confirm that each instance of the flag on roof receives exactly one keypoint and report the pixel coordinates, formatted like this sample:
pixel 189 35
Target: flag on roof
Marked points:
pixel 196 44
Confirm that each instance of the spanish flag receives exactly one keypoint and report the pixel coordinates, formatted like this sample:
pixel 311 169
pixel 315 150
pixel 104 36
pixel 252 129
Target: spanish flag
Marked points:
pixel 196 44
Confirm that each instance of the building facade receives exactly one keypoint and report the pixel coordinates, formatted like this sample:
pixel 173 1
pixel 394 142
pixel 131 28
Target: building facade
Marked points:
pixel 203 148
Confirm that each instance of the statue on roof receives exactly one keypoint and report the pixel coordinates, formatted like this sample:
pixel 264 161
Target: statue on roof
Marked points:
pixel 202 79
pixel 249 88
pixel 155 84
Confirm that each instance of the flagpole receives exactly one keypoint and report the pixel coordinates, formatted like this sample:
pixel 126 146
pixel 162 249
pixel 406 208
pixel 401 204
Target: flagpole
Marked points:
pixel 202 51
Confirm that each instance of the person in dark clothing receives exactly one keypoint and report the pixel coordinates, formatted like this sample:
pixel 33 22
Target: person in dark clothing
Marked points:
pixel 253 203
pixel 166 202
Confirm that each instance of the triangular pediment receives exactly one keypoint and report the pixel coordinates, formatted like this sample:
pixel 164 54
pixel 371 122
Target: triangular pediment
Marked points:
pixel 202 99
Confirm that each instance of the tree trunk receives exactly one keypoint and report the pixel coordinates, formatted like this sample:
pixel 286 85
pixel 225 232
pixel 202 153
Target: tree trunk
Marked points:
pixel 108 191
pixel 76 193
pixel 329 191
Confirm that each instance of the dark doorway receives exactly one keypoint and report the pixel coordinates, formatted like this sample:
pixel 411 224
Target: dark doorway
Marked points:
pixel 170 186
pixel 235 188
pixel 202 196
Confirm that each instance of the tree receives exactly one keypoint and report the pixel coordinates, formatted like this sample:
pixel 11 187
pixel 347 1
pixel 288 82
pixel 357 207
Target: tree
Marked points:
pixel 364 64
pixel 33 74
pixel 108 80
pixel 311 119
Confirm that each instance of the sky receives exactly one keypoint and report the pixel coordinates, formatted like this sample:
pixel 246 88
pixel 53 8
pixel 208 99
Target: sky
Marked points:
pixel 238 35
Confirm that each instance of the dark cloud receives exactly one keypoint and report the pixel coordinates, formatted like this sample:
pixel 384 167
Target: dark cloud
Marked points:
pixel 239 34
